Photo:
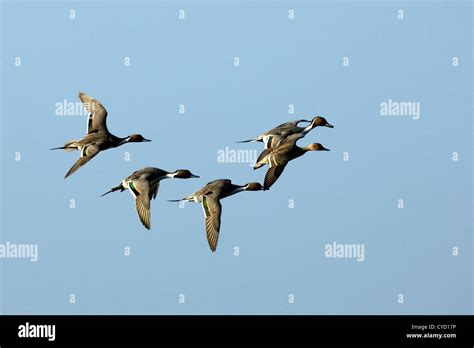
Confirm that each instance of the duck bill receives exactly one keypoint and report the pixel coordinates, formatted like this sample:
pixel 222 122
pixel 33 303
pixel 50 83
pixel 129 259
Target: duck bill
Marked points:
pixel 329 125
pixel 195 176
pixel 146 140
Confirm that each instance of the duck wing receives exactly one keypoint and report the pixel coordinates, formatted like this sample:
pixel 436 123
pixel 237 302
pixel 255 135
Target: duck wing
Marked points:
pixel 140 189
pixel 212 218
pixel 273 173
pixel 268 155
pixel 87 153
pixel 97 114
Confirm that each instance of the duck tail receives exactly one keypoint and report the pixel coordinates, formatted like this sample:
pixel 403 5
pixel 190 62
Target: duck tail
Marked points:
pixel 184 199
pixel 246 141
pixel 69 146
pixel 259 138
pixel 113 189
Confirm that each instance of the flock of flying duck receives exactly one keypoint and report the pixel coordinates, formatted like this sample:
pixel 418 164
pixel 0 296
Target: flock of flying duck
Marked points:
pixel 280 148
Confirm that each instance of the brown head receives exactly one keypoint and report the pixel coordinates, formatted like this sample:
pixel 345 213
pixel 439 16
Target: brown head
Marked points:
pixel 319 121
pixel 136 138
pixel 315 147
pixel 253 186
pixel 184 174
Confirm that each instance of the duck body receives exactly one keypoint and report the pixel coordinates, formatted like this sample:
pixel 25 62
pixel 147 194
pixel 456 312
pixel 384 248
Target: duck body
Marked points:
pixel 276 135
pixel 104 140
pixel 283 131
pixel 209 197
pixel 278 157
pixel 220 189
pixel 98 137
pixel 144 184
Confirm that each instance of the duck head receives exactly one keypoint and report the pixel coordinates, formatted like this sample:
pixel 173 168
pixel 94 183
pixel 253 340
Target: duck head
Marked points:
pixel 319 121
pixel 253 186
pixel 136 138
pixel 315 147
pixel 184 174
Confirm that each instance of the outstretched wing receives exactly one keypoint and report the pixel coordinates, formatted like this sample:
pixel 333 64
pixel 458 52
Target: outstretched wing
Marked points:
pixel 140 189
pixel 273 173
pixel 212 212
pixel 97 114
pixel 87 153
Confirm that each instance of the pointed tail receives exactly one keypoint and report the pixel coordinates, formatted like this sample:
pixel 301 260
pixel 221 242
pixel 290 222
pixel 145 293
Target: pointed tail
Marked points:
pixel 69 146
pixel 113 189
pixel 259 138
pixel 184 199
pixel 246 141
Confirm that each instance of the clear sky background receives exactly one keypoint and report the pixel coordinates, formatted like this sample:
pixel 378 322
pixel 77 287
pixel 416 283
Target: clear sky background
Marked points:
pixel 408 251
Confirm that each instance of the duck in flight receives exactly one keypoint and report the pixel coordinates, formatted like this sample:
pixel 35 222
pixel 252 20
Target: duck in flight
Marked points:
pixel 98 137
pixel 209 197
pixel 276 135
pixel 144 184
pixel 278 157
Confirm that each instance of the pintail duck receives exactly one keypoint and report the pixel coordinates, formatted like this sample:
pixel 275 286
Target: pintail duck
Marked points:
pixel 98 137
pixel 278 157
pixel 144 185
pixel 209 196
pixel 274 136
